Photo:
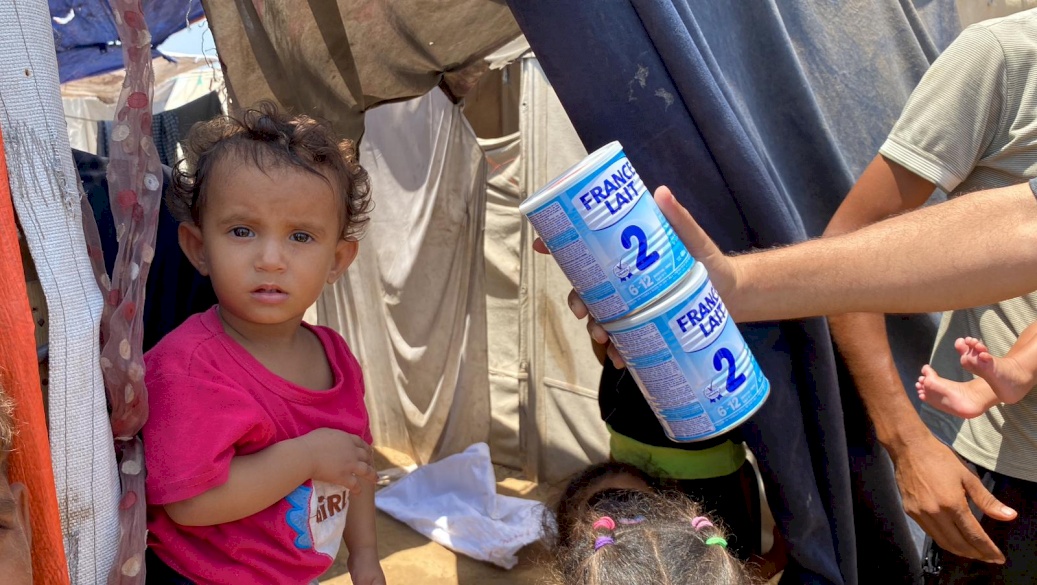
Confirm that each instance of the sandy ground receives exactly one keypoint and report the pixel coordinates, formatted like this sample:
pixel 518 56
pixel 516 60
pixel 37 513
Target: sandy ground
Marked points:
pixel 409 558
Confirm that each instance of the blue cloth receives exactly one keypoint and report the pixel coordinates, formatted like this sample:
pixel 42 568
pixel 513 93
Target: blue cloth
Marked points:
pixel 85 43
pixel 760 115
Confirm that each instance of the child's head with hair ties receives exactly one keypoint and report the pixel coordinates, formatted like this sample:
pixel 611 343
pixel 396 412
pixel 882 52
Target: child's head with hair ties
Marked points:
pixel 613 526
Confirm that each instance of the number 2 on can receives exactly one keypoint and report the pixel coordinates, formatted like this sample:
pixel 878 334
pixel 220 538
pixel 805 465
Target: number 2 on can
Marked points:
pixel 734 380
pixel 644 259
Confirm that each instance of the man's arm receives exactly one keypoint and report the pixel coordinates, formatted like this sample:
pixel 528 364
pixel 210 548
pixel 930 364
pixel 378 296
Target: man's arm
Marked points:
pixel 884 189
pixel 930 476
pixel 977 249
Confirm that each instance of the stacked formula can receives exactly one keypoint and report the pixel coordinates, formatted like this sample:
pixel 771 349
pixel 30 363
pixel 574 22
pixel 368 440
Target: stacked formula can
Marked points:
pixel 656 302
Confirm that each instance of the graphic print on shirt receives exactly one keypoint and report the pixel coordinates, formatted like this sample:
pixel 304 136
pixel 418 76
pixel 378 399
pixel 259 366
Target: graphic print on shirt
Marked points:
pixel 317 515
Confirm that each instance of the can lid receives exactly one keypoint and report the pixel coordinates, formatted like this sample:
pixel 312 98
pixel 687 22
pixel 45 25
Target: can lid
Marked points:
pixel 693 281
pixel 573 174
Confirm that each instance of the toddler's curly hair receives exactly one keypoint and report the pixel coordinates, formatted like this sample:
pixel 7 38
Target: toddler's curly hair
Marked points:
pixel 269 138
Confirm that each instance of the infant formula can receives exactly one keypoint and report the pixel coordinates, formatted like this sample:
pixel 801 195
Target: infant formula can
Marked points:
pixel 606 232
pixel 691 362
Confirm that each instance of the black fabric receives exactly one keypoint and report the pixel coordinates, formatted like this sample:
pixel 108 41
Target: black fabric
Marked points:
pixel 760 115
pixel 175 290
pixel 624 409
pixel 165 131
pixel 159 573
pixel 1017 539
pixel 170 127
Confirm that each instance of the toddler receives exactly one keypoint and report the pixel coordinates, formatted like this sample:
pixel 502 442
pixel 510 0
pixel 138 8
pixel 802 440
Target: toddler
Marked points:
pixel 258 444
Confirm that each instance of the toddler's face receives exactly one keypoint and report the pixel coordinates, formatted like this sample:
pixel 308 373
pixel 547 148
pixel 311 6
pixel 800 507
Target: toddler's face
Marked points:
pixel 15 534
pixel 270 242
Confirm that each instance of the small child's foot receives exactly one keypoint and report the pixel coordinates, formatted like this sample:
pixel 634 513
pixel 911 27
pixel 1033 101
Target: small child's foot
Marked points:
pixel 1008 380
pixel 964 399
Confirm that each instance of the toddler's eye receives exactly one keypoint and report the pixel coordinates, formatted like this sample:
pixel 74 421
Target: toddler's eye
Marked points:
pixel 301 237
pixel 241 232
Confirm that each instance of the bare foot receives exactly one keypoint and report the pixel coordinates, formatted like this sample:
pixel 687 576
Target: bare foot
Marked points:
pixel 964 399
pixel 1005 376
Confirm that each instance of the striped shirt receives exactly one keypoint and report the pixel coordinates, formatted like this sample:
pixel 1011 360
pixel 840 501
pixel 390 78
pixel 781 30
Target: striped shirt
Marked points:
pixel 971 124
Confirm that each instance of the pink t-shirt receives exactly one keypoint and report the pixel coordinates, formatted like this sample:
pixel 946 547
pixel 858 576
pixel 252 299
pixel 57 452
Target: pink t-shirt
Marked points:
pixel 210 401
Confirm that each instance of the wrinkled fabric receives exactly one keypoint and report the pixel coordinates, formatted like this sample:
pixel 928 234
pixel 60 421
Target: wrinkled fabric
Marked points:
pixel 455 502
pixel 135 194
pixel 412 306
pixel 339 59
pixel 174 290
pixel 760 116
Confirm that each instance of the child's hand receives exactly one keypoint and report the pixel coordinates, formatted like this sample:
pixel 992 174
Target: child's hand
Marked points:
pixel 364 568
pixel 339 458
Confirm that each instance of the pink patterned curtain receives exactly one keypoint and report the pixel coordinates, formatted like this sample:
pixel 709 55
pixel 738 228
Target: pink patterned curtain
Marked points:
pixel 135 191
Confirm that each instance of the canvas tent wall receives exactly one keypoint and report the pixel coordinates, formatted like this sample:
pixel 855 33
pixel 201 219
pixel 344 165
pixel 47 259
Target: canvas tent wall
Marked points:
pixel 463 332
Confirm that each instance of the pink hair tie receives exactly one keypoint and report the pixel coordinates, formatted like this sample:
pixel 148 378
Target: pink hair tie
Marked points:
pixel 603 541
pixel 604 522
pixel 700 522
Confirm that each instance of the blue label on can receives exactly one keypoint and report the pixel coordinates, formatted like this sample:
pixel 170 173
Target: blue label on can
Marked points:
pixel 694 367
pixel 612 241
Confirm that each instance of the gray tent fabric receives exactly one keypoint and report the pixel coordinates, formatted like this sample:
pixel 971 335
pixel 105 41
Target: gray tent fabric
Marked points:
pixel 760 115
pixel 412 306
pixel 338 59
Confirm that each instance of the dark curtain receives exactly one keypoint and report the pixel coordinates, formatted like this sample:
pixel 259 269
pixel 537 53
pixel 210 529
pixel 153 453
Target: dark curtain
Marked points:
pixel 175 290
pixel 760 115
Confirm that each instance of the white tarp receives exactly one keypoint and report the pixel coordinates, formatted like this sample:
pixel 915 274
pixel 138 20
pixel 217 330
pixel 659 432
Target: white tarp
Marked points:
pixel 455 502
pixel 509 379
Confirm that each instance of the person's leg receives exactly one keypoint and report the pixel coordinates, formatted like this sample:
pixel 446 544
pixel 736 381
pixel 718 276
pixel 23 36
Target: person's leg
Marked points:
pixel 1016 539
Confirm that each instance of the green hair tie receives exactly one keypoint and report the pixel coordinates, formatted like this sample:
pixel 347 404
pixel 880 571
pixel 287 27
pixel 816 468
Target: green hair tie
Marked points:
pixel 716 540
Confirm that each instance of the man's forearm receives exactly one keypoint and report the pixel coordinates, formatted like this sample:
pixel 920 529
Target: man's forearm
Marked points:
pixel 862 341
pixel 975 250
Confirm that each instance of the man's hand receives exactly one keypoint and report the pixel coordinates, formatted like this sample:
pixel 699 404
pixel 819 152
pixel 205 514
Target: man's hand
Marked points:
pixel 364 567
pixel 936 487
